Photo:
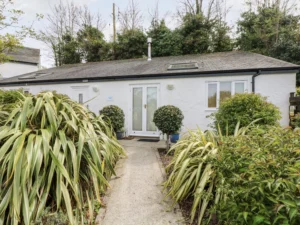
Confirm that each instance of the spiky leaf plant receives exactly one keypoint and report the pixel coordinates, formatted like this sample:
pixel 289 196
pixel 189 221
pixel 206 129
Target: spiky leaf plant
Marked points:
pixel 191 173
pixel 53 153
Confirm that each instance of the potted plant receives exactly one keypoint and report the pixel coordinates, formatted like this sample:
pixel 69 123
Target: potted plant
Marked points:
pixel 115 116
pixel 175 137
pixel 168 119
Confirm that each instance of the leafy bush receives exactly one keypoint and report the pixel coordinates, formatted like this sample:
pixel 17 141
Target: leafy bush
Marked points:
pixel 261 178
pixel 245 108
pixel 249 178
pixel 296 121
pixel 114 115
pixel 168 119
pixel 10 96
pixel 7 101
pixel 298 91
pixel 191 173
pixel 53 153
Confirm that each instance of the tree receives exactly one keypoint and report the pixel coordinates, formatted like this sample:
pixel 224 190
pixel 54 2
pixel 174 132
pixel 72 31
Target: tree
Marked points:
pixel 164 41
pixel 69 50
pixel 131 44
pixel 92 44
pixel 131 18
pixel 272 29
pixel 221 41
pixel 10 17
pixel 65 20
pixel 196 32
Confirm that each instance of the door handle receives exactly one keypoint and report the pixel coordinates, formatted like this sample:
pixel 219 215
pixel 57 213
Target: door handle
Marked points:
pixel 145 106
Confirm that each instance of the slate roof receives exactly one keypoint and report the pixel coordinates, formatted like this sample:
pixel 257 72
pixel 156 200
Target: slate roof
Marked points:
pixel 224 62
pixel 25 55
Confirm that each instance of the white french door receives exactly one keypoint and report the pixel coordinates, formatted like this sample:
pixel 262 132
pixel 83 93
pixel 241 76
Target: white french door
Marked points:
pixel 144 102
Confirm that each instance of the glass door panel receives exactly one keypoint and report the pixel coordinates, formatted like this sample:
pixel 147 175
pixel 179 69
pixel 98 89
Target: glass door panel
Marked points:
pixel 137 112
pixel 151 107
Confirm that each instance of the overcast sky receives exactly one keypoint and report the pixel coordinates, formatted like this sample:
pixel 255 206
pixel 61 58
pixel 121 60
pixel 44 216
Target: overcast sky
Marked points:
pixel 104 7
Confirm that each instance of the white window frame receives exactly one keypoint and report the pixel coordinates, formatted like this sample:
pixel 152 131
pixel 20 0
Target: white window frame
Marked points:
pixel 218 91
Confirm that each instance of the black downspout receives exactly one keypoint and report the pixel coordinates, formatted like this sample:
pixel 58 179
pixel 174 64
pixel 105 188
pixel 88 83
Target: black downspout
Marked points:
pixel 253 80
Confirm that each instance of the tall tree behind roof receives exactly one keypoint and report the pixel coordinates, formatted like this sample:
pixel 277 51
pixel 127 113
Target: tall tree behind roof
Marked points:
pixel 10 17
pixel 66 18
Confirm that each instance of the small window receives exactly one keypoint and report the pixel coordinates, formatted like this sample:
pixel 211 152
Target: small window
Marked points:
pixel 219 91
pixel 80 98
pixel 239 87
pixel 225 90
pixel 212 95
pixel 183 66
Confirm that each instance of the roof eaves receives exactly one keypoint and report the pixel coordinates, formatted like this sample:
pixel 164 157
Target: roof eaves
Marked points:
pixel 188 74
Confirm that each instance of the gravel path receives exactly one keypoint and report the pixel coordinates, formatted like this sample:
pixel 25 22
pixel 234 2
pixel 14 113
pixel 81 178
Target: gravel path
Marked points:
pixel 136 196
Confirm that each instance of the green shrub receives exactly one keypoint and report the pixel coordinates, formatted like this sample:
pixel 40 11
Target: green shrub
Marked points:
pixel 249 178
pixel 261 178
pixel 245 108
pixel 115 116
pixel 298 91
pixel 168 119
pixel 191 173
pixel 8 99
pixel 296 121
pixel 54 153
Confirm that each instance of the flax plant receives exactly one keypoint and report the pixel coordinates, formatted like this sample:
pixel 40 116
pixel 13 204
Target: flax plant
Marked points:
pixel 192 174
pixel 53 153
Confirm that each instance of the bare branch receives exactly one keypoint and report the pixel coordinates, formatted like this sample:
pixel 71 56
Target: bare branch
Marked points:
pixel 131 18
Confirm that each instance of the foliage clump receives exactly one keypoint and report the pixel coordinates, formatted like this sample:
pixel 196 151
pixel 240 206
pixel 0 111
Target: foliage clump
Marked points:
pixel 251 177
pixel 54 153
pixel 168 119
pixel 8 100
pixel 296 121
pixel 261 174
pixel 114 114
pixel 244 108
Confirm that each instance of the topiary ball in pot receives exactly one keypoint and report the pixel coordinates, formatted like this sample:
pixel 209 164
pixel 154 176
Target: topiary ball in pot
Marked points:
pixel 114 115
pixel 168 119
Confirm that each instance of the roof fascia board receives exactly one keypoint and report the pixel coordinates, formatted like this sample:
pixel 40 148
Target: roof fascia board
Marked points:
pixel 22 62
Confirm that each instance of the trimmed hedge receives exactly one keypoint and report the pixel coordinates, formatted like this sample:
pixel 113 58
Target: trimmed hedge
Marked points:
pixel 115 116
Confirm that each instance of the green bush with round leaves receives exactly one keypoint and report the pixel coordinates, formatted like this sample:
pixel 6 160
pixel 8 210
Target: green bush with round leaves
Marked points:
pixel 114 115
pixel 168 119
pixel 245 108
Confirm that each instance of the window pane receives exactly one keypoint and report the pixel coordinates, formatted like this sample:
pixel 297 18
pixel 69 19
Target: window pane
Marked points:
pixel 137 115
pixel 80 100
pixel 151 107
pixel 212 95
pixel 225 90
pixel 239 88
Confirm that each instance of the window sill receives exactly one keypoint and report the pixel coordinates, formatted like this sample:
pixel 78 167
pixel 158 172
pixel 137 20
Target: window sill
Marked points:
pixel 210 109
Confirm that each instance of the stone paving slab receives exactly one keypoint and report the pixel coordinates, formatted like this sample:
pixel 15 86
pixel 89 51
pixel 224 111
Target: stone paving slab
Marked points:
pixel 136 196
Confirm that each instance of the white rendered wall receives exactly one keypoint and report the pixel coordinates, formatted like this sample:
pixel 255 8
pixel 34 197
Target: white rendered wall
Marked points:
pixel 11 69
pixel 189 94
pixel 277 87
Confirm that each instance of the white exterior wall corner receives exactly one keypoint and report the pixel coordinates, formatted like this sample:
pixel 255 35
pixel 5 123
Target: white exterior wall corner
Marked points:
pixel 11 69
pixel 189 94
pixel 277 87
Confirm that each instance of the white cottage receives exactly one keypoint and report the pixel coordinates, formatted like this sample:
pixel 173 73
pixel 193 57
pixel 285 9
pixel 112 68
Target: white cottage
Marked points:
pixel 192 82
pixel 23 60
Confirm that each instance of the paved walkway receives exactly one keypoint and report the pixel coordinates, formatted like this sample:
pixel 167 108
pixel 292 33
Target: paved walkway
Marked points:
pixel 136 196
